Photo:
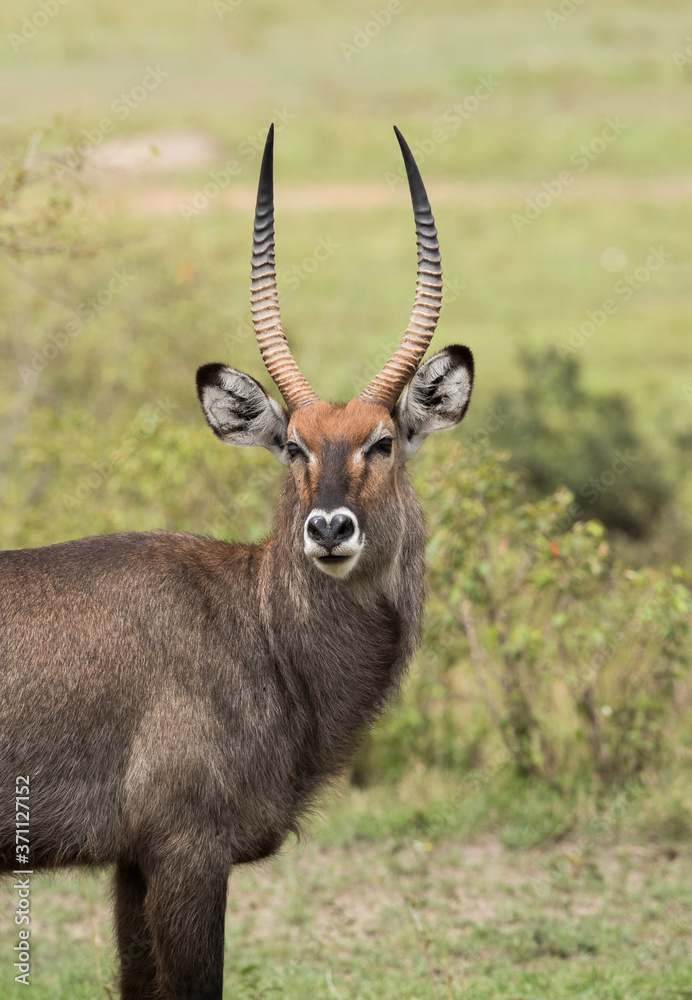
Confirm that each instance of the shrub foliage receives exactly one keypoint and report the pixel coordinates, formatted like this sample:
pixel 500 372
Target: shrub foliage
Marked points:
pixel 536 638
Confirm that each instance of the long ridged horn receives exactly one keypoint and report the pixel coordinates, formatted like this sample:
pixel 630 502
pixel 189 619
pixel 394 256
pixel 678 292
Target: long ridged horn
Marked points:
pixel 386 387
pixel 264 297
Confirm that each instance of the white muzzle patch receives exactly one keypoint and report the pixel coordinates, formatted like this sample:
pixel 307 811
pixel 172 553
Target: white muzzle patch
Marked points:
pixel 335 558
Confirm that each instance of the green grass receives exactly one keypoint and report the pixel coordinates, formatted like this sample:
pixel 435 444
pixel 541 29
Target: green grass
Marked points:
pixel 430 890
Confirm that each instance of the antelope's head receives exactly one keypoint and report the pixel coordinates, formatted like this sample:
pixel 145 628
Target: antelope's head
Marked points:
pixel 346 459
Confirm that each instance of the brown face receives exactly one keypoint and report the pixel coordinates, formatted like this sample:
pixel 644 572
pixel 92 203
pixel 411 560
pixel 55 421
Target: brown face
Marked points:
pixel 343 459
pixel 346 460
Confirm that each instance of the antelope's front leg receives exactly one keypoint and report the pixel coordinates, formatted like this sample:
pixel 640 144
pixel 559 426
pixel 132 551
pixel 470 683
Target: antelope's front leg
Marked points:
pixel 185 907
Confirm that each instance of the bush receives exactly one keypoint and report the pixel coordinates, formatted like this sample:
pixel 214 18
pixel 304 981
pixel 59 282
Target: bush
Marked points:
pixel 536 636
pixel 563 435
pixel 38 211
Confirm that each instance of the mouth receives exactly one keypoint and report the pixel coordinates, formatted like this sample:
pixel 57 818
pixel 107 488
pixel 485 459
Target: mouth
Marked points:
pixel 336 566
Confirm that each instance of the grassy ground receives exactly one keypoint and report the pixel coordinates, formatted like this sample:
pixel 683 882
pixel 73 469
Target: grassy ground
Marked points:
pixel 383 900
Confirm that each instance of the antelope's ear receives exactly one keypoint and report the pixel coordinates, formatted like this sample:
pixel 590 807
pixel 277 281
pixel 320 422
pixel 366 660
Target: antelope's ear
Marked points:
pixel 239 411
pixel 436 398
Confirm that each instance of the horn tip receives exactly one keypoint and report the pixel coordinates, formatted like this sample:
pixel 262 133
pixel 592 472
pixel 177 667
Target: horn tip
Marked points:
pixel 403 145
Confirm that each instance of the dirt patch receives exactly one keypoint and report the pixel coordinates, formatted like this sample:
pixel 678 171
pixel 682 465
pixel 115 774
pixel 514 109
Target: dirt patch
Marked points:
pixel 473 884
pixel 151 153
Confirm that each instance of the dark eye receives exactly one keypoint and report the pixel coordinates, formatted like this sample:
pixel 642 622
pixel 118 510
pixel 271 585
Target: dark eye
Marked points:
pixel 293 449
pixel 382 447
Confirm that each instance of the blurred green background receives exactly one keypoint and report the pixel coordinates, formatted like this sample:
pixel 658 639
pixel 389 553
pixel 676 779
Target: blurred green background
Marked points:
pixel 551 701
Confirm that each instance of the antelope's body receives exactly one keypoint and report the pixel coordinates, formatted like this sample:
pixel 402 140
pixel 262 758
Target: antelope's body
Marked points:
pixel 124 690
pixel 175 701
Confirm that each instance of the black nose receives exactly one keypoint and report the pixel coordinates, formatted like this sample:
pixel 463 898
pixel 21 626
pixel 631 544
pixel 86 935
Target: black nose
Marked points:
pixel 332 533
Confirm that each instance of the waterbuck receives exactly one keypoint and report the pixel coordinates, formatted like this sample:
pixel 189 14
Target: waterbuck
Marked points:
pixel 169 703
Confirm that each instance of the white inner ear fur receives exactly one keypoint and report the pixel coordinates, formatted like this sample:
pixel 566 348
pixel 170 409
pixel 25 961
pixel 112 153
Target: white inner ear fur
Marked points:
pixel 426 407
pixel 242 413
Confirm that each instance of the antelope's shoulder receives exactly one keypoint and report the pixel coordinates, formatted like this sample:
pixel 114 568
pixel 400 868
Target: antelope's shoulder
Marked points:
pixel 128 578
pixel 99 554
